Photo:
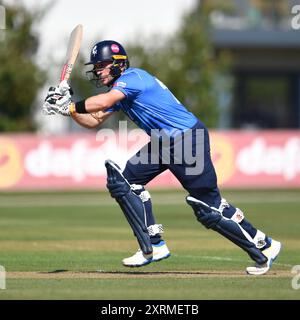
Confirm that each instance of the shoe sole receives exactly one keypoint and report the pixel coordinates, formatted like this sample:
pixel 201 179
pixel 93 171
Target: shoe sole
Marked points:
pixel 162 258
pixel 257 272
pixel 265 270
pixel 146 263
pixel 137 265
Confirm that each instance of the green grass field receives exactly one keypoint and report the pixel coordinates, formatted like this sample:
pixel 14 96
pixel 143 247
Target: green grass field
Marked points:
pixel 70 246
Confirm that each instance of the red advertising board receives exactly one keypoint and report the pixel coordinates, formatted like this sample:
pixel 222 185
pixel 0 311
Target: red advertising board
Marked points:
pixel 76 161
pixel 257 159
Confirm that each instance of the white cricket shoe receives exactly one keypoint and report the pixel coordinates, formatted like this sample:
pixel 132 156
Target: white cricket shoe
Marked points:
pixel 139 259
pixel 271 253
pixel 160 251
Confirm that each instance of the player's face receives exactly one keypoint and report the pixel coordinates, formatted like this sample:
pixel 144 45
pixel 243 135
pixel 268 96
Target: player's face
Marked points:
pixel 102 70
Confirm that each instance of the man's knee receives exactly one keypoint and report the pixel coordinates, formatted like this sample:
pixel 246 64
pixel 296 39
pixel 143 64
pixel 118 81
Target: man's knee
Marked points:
pixel 209 216
pixel 204 214
pixel 117 184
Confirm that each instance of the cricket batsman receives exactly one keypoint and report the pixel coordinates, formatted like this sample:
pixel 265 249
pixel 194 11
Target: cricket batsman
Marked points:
pixel 153 107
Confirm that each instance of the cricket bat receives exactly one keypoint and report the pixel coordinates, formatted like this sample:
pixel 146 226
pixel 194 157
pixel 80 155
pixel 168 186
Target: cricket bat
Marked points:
pixel 72 52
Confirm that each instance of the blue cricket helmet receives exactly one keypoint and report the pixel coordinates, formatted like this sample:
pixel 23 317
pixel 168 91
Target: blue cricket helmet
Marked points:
pixel 107 50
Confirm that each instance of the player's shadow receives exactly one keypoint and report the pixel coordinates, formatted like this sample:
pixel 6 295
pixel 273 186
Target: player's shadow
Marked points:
pixel 55 271
pixel 135 273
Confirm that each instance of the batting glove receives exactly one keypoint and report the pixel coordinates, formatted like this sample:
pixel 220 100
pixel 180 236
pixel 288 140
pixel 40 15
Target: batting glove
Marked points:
pixel 58 100
pixel 58 104
pixel 65 88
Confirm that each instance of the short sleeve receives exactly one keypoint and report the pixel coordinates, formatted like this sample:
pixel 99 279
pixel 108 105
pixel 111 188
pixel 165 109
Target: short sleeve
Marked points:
pixel 131 84
pixel 114 108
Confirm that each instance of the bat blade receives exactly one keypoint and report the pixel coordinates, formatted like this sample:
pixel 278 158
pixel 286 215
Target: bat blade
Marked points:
pixel 72 52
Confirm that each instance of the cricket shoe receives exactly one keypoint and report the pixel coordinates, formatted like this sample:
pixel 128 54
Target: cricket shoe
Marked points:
pixel 271 253
pixel 160 251
pixel 139 259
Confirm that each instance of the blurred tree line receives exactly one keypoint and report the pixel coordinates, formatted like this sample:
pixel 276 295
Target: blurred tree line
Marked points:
pixel 186 62
pixel 20 77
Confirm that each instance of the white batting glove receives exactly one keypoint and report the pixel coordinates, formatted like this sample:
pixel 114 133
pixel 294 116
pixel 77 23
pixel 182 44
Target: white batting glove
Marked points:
pixel 58 100
pixel 48 110
pixel 58 104
pixel 61 106
pixel 65 88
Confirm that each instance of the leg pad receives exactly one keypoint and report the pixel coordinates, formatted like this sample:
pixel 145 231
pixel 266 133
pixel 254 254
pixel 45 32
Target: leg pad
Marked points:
pixel 230 229
pixel 130 203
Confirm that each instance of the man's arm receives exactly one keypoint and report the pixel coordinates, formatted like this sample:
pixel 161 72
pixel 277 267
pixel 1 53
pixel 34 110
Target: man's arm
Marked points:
pixel 91 120
pixel 103 101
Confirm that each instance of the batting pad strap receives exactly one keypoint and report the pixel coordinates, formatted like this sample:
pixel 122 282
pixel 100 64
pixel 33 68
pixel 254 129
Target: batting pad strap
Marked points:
pixel 141 192
pixel 259 239
pixel 224 204
pixel 136 187
pixel 155 229
pixel 238 216
pixel 145 196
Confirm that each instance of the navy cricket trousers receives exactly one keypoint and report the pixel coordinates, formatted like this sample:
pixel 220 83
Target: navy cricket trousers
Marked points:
pixel 202 186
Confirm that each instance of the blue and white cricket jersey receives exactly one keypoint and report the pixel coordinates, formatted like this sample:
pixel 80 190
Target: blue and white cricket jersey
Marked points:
pixel 150 104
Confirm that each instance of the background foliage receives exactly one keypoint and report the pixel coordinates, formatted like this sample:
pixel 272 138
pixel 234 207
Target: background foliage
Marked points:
pixel 185 61
pixel 20 76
